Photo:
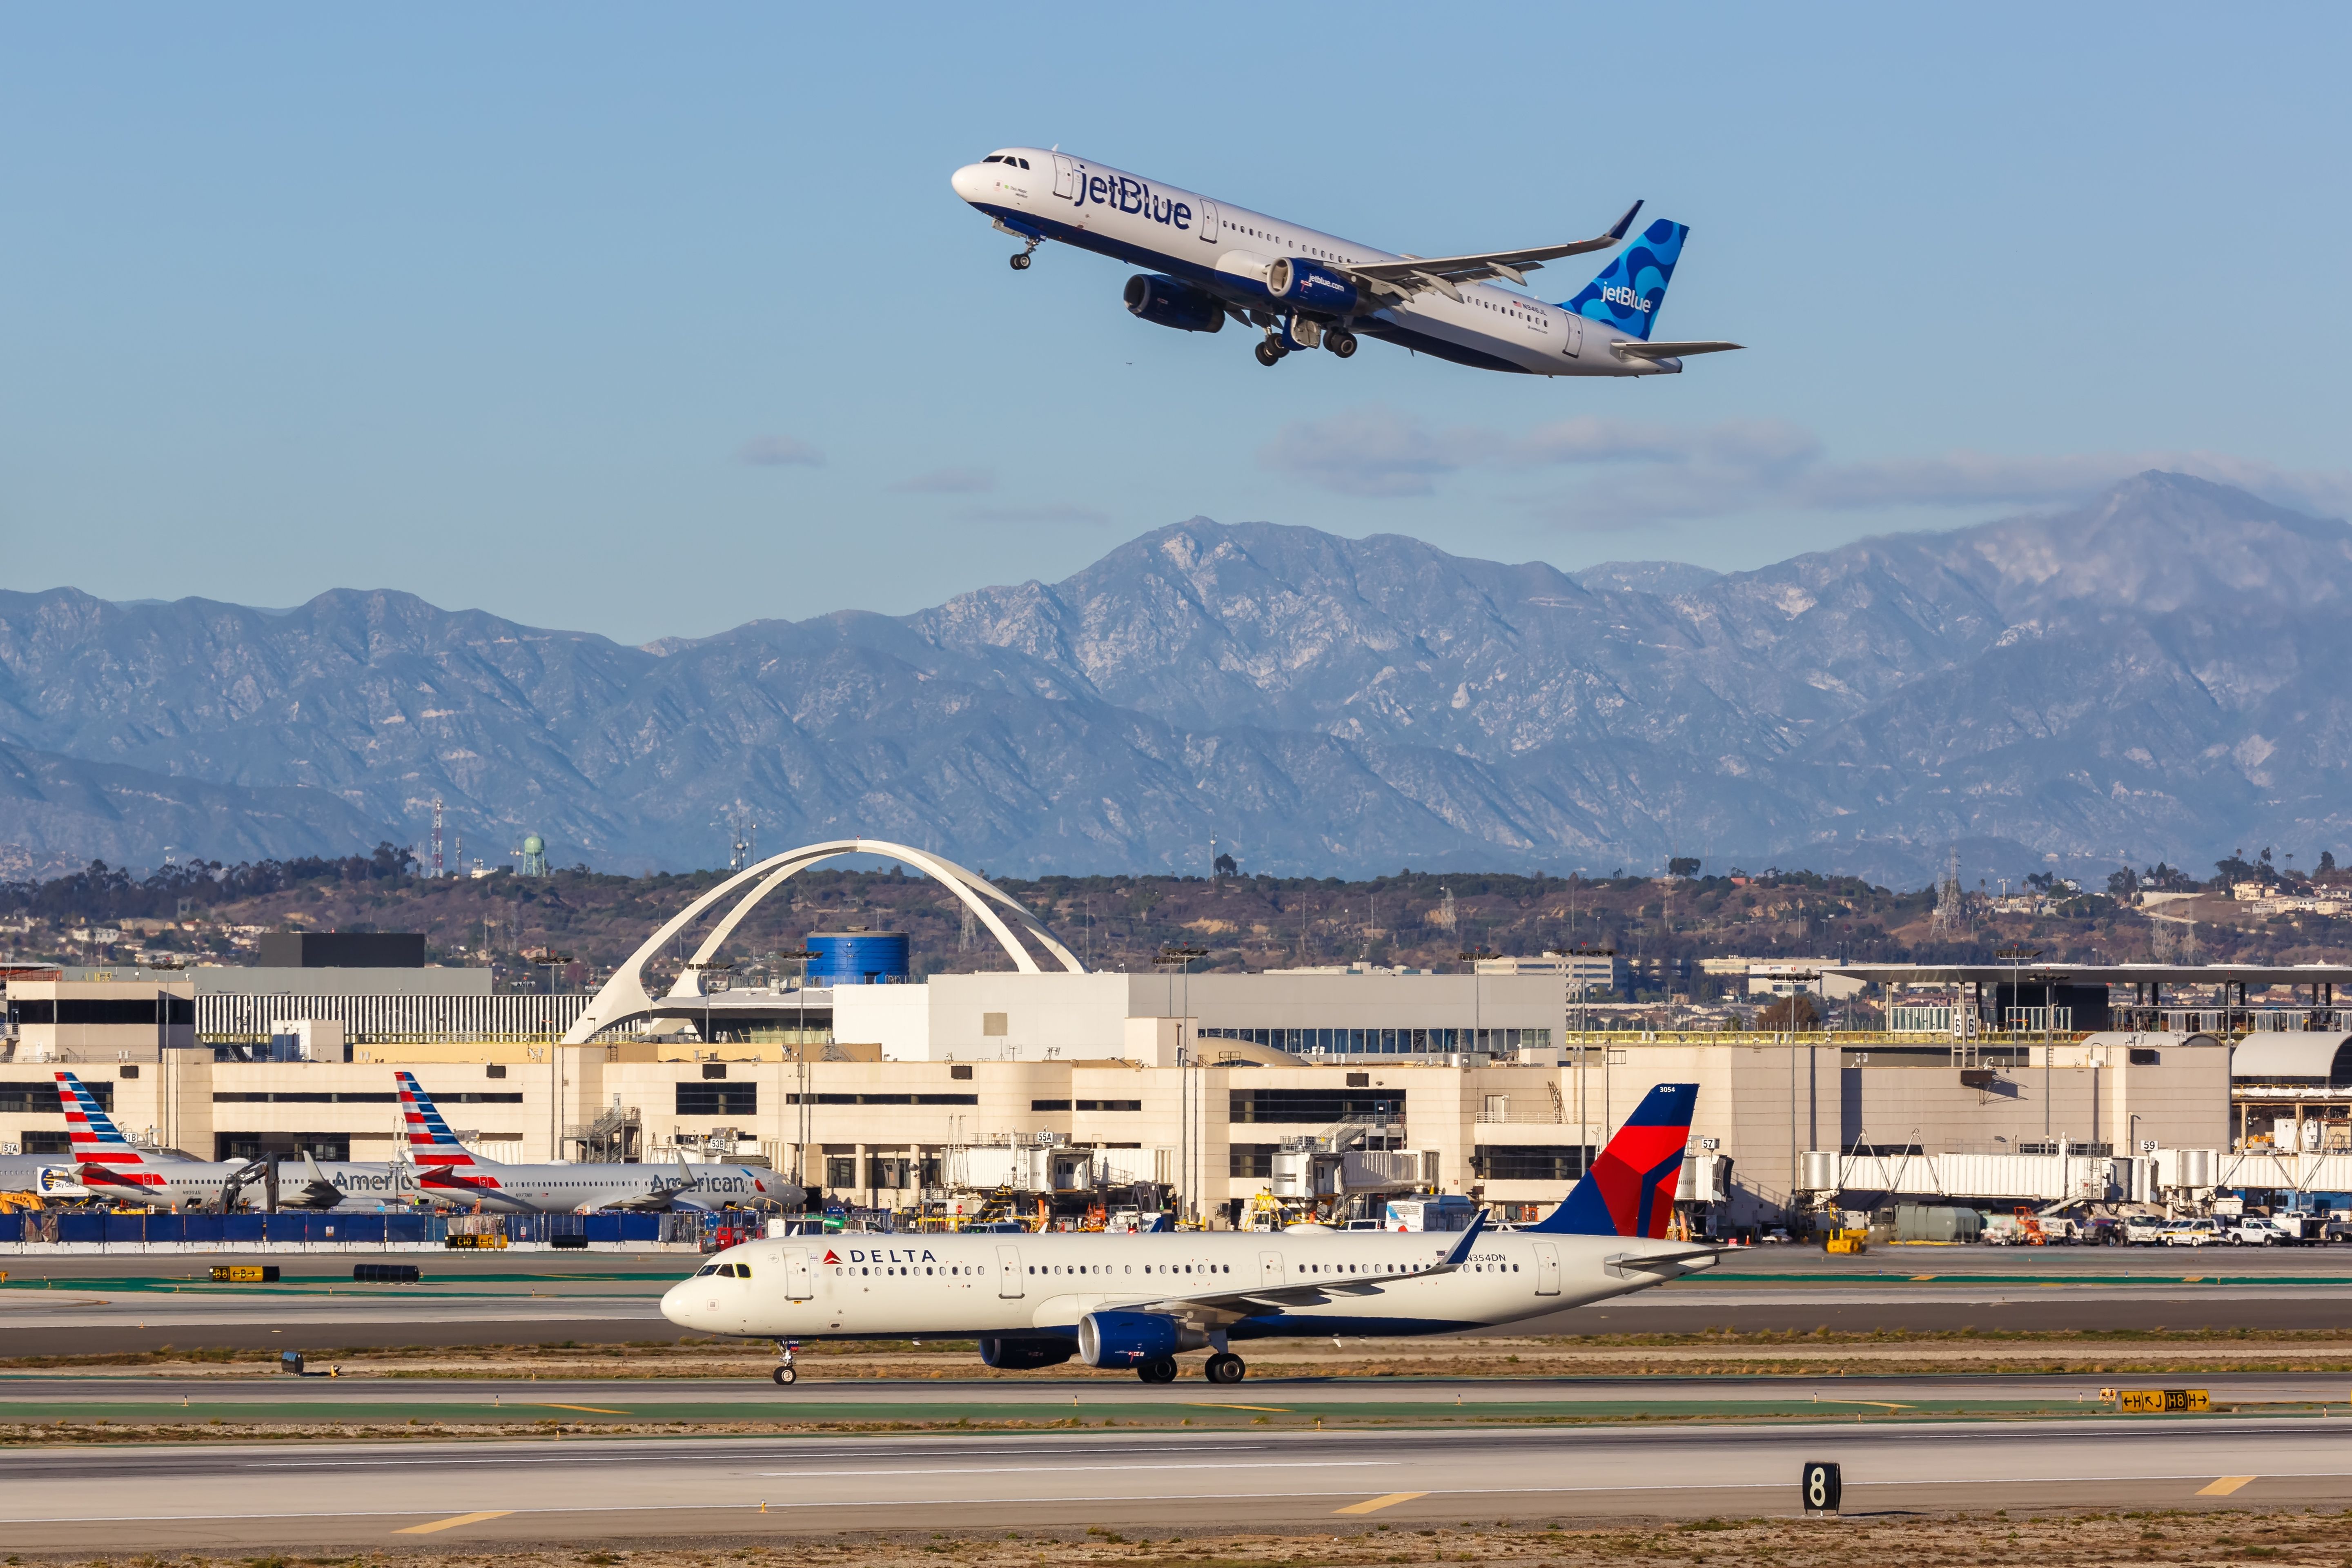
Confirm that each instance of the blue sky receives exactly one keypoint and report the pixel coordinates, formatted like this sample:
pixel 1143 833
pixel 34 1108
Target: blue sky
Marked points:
pixel 505 305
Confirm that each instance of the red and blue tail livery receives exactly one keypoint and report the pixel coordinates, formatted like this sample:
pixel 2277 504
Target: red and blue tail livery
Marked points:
pixel 430 1141
pixel 1630 1190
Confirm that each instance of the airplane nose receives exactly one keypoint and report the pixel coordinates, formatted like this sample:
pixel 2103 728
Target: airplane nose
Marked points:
pixel 970 182
pixel 674 1304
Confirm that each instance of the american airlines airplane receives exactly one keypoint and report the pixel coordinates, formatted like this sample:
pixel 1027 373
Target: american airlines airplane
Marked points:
pixel 454 1176
pixel 1139 1301
pixel 112 1167
pixel 1211 260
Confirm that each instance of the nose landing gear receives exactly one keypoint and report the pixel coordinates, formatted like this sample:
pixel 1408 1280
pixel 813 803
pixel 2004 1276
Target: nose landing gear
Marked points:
pixel 1020 260
pixel 786 1374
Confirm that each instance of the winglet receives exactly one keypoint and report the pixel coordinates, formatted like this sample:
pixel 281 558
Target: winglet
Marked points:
pixel 1461 1253
pixel 1164 1224
pixel 1625 223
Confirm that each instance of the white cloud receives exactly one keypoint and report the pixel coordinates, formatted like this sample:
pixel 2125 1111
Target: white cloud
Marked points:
pixel 778 452
pixel 1049 512
pixel 1633 472
pixel 949 482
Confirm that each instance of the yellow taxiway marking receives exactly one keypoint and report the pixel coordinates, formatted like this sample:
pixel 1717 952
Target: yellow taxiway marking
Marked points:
pixel 2223 1487
pixel 2192 1278
pixel 595 1409
pixel 1918 1276
pixel 454 1522
pixel 1276 1409
pixel 1882 1404
pixel 1373 1505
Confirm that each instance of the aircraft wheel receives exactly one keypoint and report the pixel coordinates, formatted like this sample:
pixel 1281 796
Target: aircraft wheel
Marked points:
pixel 1161 1371
pixel 1020 262
pixel 1225 1367
pixel 1342 344
pixel 786 1376
pixel 1268 354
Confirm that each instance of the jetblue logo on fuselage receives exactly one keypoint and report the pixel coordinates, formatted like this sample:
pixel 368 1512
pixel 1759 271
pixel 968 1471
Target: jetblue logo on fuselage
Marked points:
pixel 1625 299
pixel 1124 192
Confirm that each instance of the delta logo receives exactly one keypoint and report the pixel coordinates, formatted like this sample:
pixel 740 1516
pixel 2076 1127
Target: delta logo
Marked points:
pixel 1625 299
pixel 831 1256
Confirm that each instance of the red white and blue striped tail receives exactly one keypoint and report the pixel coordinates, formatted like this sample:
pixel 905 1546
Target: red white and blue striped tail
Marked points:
pixel 430 1141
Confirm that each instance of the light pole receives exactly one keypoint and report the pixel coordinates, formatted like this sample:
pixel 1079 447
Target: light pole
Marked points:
pixel 1472 956
pixel 2018 954
pixel 1188 1120
pixel 806 1122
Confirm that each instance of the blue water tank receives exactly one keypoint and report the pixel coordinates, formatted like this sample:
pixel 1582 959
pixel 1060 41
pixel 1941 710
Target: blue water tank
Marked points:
pixel 857 957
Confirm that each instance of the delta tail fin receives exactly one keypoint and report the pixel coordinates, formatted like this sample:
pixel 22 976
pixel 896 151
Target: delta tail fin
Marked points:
pixel 1630 1190
pixel 1631 287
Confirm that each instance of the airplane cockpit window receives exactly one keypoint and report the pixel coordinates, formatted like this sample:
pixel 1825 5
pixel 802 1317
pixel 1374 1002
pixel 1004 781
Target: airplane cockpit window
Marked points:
pixel 742 1271
pixel 707 1269
pixel 993 158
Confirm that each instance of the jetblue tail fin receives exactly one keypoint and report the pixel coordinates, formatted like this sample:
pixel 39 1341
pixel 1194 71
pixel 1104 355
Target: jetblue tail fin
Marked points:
pixel 1630 1190
pixel 1630 289
pixel 430 1141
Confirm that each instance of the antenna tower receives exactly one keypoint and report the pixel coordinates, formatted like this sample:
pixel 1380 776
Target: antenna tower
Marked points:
pixel 1950 916
pixel 436 837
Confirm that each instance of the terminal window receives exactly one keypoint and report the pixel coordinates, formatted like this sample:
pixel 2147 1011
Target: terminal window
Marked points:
pixel 1318 1105
pixel 701 1098
pixel 36 1141
pixel 40 1099
pixel 841 1170
pixel 1530 1162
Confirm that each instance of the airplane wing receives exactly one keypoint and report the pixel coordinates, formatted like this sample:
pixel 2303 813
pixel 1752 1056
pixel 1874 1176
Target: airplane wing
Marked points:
pixel 1631 349
pixel 1414 274
pixel 1232 1306
pixel 314 1192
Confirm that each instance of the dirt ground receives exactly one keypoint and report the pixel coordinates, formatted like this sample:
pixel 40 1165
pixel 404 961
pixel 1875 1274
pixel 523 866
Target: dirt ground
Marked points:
pixel 1870 1541
pixel 1724 1353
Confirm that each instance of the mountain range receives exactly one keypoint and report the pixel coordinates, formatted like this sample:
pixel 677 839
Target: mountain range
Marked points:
pixel 2159 673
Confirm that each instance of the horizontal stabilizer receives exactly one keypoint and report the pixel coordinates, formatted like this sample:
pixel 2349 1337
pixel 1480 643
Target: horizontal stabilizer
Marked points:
pixel 1671 351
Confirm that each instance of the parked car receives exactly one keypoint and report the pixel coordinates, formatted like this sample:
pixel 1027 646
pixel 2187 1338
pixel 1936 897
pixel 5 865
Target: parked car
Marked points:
pixel 2252 1230
pixel 2192 1233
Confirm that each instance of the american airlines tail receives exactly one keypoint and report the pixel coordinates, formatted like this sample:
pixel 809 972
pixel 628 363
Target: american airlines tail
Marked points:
pixel 1630 1190
pixel 430 1141
pixel 90 1131
pixel 1630 289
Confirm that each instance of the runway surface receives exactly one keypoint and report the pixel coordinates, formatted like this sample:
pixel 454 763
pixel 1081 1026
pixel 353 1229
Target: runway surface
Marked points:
pixel 126 1302
pixel 1045 1397
pixel 293 1496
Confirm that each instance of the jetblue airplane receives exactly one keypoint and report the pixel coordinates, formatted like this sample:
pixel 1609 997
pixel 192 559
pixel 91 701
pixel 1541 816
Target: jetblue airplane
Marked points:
pixel 1139 1301
pixel 454 1176
pixel 1309 289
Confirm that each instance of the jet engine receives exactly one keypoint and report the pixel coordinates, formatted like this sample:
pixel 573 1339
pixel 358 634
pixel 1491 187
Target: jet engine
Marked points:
pixel 1131 1339
pixel 1008 1355
pixel 1305 286
pixel 1165 302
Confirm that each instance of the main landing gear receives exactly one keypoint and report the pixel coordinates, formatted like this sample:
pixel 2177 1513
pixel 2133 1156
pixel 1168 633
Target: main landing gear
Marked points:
pixel 1223 1367
pixel 1274 348
pixel 786 1374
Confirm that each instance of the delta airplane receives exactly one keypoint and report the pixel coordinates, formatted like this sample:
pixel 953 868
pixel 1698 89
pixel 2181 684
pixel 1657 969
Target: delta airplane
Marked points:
pixel 1139 1301
pixel 1211 260
pixel 112 1167
pixel 454 1176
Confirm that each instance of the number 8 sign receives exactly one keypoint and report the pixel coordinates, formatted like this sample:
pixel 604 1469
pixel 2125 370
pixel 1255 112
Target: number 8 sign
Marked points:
pixel 1823 1482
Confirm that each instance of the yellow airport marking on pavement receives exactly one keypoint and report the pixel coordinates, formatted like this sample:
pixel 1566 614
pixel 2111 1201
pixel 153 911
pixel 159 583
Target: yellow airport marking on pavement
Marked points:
pixel 1882 1404
pixel 1919 1276
pixel 2192 1278
pixel 1276 1409
pixel 595 1409
pixel 2223 1487
pixel 453 1522
pixel 1373 1505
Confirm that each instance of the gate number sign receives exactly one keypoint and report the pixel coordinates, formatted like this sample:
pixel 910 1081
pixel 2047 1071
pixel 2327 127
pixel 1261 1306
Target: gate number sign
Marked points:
pixel 1821 1484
